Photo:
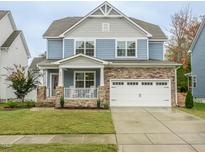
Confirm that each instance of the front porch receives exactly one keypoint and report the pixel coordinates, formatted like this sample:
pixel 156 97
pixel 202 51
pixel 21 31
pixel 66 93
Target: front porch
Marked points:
pixel 76 83
pixel 78 79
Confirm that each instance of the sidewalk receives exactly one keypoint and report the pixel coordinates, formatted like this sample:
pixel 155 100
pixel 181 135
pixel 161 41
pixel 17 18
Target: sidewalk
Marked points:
pixel 63 138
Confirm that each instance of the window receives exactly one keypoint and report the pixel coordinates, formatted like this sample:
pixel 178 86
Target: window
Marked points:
pixel 147 83
pixel 161 83
pixel 132 83
pixel 118 83
pixel 105 27
pixel 194 81
pixel 85 47
pixel 126 48
pixel 84 79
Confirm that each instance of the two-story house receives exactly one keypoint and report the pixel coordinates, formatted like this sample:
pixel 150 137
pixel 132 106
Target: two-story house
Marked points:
pixel 109 56
pixel 197 51
pixel 13 50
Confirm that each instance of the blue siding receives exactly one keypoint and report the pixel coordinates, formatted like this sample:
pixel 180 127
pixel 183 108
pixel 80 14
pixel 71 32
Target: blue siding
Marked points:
pixel 105 48
pixel 142 49
pixel 55 49
pixel 68 47
pixel 156 50
pixel 198 65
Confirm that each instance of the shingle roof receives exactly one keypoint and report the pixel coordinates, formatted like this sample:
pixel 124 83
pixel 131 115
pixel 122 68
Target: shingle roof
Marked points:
pixel 11 38
pixel 3 13
pixel 57 27
pixel 42 61
pixel 35 61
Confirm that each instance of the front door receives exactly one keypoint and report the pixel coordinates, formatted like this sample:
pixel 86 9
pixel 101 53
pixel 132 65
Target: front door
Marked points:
pixel 54 84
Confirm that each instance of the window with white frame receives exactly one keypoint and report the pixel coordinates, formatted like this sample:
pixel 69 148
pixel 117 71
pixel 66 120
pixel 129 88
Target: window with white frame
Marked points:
pixel 84 79
pixel 85 47
pixel 105 27
pixel 126 48
pixel 194 81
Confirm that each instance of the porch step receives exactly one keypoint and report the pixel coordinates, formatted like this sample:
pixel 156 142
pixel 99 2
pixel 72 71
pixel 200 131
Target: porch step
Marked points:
pixel 49 102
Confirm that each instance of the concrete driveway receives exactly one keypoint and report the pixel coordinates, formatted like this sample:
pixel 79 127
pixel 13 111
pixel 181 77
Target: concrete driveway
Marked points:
pixel 158 129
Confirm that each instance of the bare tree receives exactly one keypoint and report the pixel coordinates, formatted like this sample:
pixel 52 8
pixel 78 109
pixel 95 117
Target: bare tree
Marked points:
pixel 183 29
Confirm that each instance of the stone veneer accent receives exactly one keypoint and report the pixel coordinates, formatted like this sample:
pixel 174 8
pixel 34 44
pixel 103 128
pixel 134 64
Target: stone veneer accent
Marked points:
pixel 41 93
pixel 138 73
pixel 80 103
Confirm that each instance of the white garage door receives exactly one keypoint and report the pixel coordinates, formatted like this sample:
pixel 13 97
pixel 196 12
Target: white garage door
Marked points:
pixel 140 93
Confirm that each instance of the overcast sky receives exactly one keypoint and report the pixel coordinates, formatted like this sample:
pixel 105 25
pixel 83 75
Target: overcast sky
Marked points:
pixel 34 17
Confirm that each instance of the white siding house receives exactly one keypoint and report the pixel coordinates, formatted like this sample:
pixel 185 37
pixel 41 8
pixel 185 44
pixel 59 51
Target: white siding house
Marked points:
pixel 13 50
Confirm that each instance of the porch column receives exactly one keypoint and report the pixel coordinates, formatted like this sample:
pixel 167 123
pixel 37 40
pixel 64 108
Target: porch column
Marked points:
pixel 102 76
pixel 61 77
pixel 41 78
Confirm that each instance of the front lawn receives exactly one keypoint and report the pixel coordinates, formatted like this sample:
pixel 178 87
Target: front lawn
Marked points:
pixel 59 148
pixel 198 110
pixel 24 121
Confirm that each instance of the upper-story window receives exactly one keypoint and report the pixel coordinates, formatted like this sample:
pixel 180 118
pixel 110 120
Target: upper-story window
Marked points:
pixel 85 47
pixel 105 27
pixel 126 48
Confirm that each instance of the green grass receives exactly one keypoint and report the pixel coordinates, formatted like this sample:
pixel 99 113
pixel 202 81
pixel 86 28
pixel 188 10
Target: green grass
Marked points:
pixel 24 121
pixel 59 148
pixel 198 110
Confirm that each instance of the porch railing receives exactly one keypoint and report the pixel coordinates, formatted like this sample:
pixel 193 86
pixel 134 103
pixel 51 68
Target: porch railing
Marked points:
pixel 80 93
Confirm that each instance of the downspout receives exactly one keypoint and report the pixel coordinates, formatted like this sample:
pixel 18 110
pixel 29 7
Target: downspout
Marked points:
pixel 176 99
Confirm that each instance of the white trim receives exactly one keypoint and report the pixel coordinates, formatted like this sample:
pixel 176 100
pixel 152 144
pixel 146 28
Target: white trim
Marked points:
pixel 96 38
pixel 79 55
pixel 197 35
pixel 46 80
pixel 84 40
pixel 51 83
pixel 106 3
pixel 169 80
pixel 147 49
pixel 63 54
pixel 176 96
pixel 81 66
pixel 46 48
pixel 74 76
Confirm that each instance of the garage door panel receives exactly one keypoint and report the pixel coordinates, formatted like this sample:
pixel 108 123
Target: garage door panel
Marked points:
pixel 140 93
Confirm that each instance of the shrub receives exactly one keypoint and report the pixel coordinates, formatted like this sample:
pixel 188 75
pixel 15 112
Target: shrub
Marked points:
pixel 11 104
pixel 62 102
pixel 29 104
pixel 98 104
pixel 106 105
pixel 189 103
pixel 183 89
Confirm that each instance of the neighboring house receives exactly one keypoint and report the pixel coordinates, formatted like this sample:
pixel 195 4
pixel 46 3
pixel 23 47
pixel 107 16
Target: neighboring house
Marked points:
pixel 197 51
pixel 13 50
pixel 109 56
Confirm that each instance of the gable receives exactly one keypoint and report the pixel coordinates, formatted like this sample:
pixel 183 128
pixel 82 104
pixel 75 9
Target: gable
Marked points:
pixel 6 29
pixel 92 27
pixel 198 35
pixel 81 62
pixel 105 9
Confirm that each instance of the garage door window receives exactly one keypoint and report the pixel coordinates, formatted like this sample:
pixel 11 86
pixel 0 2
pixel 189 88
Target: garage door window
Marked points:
pixel 118 83
pixel 132 83
pixel 147 83
pixel 161 83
